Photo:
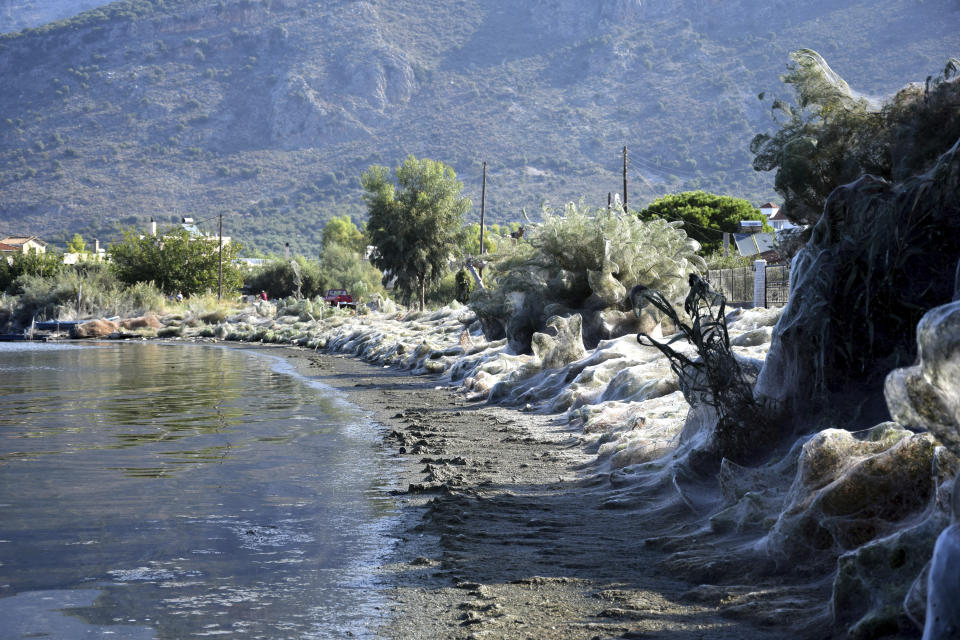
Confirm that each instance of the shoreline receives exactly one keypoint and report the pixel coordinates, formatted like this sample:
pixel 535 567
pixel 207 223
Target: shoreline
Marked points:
pixel 499 536
pixel 547 497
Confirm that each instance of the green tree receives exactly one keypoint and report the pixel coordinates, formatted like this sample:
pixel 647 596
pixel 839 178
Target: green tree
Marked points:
pixel 32 263
pixel 76 244
pixel 296 277
pixel 175 261
pixel 468 240
pixel 341 230
pixel 705 216
pixel 345 268
pixel 413 223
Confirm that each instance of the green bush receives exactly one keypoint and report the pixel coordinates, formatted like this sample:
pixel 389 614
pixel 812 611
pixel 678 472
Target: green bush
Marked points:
pixel 345 268
pixel 298 277
pixel 176 261
pixel 32 264
pixel 463 285
pixel 86 290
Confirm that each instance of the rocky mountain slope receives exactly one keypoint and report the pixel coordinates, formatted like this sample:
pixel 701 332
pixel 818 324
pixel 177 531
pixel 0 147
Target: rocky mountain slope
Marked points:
pixel 268 111
pixel 25 14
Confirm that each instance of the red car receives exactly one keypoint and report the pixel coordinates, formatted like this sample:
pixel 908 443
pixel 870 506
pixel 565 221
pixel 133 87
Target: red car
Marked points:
pixel 339 298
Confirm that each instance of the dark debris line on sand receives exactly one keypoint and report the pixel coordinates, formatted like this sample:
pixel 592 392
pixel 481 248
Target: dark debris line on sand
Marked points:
pixel 504 536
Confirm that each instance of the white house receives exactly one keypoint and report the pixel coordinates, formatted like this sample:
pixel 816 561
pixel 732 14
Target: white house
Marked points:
pixel 97 255
pixel 190 226
pixel 769 209
pixel 25 244
pixel 776 218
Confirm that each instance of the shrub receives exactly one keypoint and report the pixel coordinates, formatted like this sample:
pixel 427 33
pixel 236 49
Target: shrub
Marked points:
pixel 75 292
pixel 583 263
pixel 462 286
pixel 298 277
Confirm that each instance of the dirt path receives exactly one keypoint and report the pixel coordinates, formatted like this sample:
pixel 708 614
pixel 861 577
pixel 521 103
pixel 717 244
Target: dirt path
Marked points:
pixel 505 535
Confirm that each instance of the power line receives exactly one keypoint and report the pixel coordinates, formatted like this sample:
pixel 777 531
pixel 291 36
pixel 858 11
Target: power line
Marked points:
pixel 216 215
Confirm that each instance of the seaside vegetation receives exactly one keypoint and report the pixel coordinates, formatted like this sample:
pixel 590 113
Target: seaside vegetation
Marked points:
pixel 581 260
pixel 416 212
pixel 413 222
pixel 175 261
pixel 573 242
pixel 832 135
pixel 72 291
pixel 41 265
pixel 338 267
pixel 705 216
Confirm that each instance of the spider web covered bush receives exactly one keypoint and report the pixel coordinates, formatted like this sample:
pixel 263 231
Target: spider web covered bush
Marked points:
pixel 582 262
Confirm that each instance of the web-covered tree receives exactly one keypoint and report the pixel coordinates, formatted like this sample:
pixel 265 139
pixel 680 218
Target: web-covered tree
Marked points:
pixel 832 135
pixel 706 216
pixel 582 262
pixel 413 223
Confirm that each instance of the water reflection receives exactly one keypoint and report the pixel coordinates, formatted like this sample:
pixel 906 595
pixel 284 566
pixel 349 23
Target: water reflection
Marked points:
pixel 48 614
pixel 200 490
pixel 147 395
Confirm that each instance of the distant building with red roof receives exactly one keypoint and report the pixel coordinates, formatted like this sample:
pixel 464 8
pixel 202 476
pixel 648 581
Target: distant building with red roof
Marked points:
pixel 780 222
pixel 24 244
pixel 776 217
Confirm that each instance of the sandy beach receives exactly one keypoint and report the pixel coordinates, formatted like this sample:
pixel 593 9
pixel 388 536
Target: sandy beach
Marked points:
pixel 502 534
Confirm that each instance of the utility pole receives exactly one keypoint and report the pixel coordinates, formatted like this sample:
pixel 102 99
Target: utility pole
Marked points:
pixel 220 267
pixel 483 202
pixel 625 178
pixel 609 200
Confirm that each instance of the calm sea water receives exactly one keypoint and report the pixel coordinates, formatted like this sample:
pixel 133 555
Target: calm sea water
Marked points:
pixel 175 491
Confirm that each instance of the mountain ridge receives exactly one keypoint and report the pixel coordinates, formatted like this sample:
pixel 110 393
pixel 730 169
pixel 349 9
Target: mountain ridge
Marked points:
pixel 269 111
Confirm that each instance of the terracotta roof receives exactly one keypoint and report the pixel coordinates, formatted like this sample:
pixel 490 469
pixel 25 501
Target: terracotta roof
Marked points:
pixel 779 215
pixel 768 205
pixel 22 240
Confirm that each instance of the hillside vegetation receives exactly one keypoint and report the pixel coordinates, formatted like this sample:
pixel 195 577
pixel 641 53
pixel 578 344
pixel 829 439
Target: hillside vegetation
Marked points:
pixel 271 110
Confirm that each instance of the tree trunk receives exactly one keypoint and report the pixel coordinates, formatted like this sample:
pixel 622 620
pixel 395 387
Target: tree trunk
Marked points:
pixel 423 292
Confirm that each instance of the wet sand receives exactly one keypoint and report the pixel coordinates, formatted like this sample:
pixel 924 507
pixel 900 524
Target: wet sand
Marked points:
pixel 504 530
